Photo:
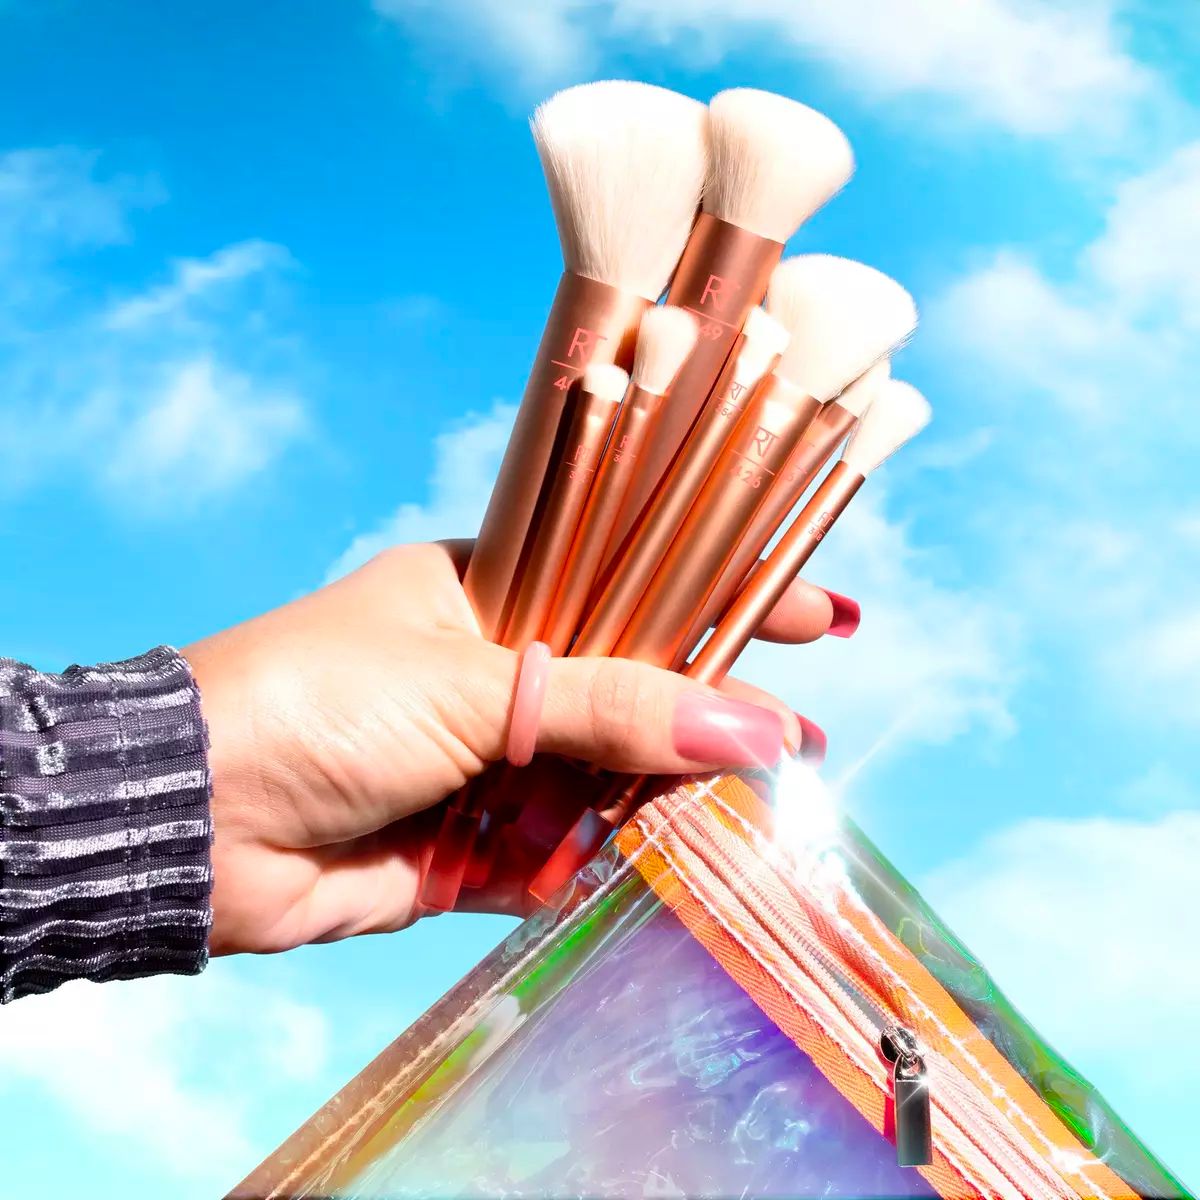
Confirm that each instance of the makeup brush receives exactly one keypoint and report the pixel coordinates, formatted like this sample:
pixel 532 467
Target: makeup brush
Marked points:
pixel 897 415
pixel 773 164
pixel 666 336
pixel 843 317
pixel 625 164
pixel 825 433
pixel 631 563
pixel 568 484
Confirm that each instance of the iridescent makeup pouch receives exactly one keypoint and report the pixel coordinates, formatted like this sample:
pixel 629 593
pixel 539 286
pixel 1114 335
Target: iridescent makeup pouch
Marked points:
pixel 731 1001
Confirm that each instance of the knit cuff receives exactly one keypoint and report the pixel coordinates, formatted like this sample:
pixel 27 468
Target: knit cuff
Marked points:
pixel 105 828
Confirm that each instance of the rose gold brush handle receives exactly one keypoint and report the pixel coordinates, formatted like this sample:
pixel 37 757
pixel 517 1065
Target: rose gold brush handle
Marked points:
pixel 588 322
pixel 716 658
pixel 566 488
pixel 770 428
pixel 775 576
pixel 823 436
pixel 633 566
pixel 570 480
pixel 596 526
pixel 721 276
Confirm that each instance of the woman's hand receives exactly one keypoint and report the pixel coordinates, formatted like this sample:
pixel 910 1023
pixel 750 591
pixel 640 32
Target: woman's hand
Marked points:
pixel 339 720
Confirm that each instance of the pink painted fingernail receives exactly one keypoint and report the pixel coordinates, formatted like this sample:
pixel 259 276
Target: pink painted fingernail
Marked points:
pixel 726 733
pixel 814 743
pixel 847 615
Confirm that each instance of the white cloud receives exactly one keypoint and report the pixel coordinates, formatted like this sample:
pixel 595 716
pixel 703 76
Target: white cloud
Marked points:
pixel 466 458
pixel 1093 376
pixel 193 278
pixel 1028 66
pixel 163 399
pixel 131 1063
pixel 54 200
pixel 207 430
pixel 1089 927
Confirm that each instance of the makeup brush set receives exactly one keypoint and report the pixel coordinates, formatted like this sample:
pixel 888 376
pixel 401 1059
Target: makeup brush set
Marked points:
pixel 664 441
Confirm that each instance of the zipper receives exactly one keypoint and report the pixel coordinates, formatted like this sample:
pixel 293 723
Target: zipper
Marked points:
pixel 910 1096
pixel 798 934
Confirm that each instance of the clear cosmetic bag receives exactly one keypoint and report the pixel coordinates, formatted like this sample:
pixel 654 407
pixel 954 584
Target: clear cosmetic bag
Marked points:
pixel 731 1001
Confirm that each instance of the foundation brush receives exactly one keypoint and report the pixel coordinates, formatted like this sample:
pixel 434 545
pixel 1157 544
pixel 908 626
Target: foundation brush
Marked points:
pixel 625 165
pixel 843 317
pixel 774 162
pixel 896 416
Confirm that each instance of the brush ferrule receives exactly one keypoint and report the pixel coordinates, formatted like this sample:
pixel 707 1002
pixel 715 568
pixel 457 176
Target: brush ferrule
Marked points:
pixel 722 275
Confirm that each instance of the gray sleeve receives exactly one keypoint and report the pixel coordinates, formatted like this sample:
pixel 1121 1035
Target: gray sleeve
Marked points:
pixel 105 828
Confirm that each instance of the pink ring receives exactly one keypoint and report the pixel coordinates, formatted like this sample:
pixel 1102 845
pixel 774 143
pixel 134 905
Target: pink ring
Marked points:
pixel 528 698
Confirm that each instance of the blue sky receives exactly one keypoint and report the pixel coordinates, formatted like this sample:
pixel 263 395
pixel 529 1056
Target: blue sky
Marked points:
pixel 250 330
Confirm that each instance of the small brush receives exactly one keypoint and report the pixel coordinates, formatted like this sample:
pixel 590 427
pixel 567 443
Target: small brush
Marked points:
pixel 567 483
pixel 897 415
pixel 569 480
pixel 631 562
pixel 666 336
pixel 773 164
pixel 824 434
pixel 843 317
pixel 625 165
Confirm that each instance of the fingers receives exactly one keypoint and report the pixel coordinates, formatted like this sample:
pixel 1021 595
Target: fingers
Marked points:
pixel 459 552
pixel 806 612
pixel 636 719
pixel 747 693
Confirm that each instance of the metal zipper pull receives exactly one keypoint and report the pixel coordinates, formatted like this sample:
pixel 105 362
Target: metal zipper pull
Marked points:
pixel 910 1092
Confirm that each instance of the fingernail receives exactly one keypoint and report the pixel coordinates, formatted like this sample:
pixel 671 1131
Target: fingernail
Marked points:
pixel 847 615
pixel 726 733
pixel 814 743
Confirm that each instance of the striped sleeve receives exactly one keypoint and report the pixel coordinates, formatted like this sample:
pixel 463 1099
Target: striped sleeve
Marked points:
pixel 105 828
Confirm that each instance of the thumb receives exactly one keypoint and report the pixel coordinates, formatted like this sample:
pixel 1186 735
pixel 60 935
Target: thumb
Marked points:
pixel 637 719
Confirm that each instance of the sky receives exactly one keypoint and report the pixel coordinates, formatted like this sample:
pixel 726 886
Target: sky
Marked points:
pixel 247 337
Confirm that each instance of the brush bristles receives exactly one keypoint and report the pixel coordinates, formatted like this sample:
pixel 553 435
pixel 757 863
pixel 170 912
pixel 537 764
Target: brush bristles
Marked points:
pixel 899 413
pixel 605 381
pixel 843 316
pixel 861 394
pixel 625 164
pixel 764 340
pixel 666 336
pixel 773 162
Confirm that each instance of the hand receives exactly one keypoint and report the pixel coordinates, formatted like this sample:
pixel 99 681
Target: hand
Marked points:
pixel 339 720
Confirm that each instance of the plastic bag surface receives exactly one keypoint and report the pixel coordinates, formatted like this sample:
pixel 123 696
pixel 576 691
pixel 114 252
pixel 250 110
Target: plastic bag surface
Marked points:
pixel 707 1011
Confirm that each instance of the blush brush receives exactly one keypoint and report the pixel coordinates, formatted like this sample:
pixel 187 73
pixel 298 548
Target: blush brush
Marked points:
pixel 843 317
pixel 774 162
pixel 625 165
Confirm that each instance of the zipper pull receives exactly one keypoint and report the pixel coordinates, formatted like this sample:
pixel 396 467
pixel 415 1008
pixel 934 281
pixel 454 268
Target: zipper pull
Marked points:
pixel 910 1092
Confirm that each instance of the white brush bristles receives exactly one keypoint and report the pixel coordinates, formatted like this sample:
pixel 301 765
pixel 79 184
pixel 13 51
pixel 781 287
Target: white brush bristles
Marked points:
pixel 625 164
pixel 605 381
pixel 899 413
pixel 844 317
pixel 765 339
pixel 666 336
pixel 773 162
pixel 860 395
